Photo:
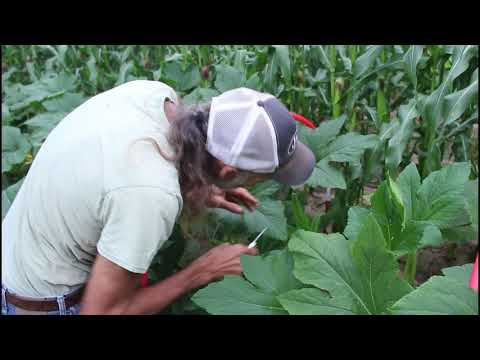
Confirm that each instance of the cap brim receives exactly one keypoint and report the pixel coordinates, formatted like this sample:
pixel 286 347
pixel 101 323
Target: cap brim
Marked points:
pixel 299 167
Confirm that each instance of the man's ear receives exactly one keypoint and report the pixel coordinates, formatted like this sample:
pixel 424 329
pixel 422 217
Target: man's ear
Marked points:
pixel 169 109
pixel 227 173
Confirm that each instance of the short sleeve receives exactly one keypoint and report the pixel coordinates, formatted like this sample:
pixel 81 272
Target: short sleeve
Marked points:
pixel 137 221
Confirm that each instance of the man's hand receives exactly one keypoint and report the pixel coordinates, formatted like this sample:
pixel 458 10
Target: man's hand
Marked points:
pixel 220 261
pixel 230 199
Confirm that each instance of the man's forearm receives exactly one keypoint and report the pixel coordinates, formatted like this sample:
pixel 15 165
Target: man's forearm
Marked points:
pixel 152 299
pixel 155 298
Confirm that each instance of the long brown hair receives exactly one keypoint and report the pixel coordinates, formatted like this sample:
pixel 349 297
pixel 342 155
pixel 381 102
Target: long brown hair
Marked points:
pixel 188 138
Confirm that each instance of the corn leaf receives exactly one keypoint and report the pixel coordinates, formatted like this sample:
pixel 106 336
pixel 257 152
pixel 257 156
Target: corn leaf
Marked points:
pixel 411 59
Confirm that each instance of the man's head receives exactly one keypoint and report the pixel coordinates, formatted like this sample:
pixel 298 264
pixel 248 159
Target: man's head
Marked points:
pixel 256 138
pixel 241 138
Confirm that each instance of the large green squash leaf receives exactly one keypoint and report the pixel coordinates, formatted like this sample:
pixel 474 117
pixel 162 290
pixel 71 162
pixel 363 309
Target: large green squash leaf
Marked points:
pixel 348 147
pixel 317 139
pixel 271 214
pixel 356 217
pixel 377 269
pixel 312 301
pixel 429 212
pixel 272 273
pixel 182 80
pixel 460 234
pixel 327 147
pixel 172 71
pixel 200 95
pixel 441 295
pixel 264 190
pixel 65 103
pixel 15 147
pixel 391 220
pixel 190 78
pixel 229 220
pixel 409 183
pixel 235 296
pixel 265 277
pixel 228 78
pixel 432 236
pixel 42 124
pixel 326 176
pixel 49 86
pixel 360 276
pixel 7 116
pixel 441 199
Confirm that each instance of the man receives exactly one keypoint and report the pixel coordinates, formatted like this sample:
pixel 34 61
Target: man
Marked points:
pixel 104 191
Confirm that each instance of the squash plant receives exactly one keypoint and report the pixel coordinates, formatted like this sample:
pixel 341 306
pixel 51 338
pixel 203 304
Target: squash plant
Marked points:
pixel 357 272
pixel 414 214
pixel 330 275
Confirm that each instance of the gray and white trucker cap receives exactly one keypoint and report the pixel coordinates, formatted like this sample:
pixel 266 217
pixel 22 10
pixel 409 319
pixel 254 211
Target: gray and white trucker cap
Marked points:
pixel 254 131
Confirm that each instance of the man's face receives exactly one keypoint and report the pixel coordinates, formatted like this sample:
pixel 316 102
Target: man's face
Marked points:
pixel 229 177
pixel 241 179
pixel 256 178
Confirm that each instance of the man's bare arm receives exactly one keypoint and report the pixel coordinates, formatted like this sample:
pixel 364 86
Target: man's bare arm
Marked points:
pixel 113 290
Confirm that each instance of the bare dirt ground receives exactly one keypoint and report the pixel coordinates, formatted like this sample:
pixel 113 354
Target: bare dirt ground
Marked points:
pixel 431 260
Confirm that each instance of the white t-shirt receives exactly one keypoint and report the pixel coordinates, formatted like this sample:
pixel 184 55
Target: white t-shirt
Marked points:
pixel 94 187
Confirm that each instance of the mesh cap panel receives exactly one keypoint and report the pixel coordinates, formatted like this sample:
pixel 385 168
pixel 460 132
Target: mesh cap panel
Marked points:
pixel 258 151
pixel 225 124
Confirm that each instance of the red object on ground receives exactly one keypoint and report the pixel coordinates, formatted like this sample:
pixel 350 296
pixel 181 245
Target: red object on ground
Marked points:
pixel 144 280
pixel 303 120
pixel 474 278
pixel 328 204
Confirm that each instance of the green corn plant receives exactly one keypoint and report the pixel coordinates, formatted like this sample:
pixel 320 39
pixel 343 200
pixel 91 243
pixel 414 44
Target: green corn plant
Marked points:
pixel 443 107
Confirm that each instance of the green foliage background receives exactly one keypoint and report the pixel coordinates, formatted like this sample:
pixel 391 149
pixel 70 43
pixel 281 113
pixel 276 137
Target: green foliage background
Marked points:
pixel 379 108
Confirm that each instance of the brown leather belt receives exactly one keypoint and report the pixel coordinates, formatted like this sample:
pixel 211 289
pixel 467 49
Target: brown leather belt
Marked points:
pixel 44 305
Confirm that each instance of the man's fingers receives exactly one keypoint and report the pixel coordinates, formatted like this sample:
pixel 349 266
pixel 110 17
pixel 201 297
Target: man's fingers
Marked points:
pixel 234 270
pixel 252 251
pixel 243 249
pixel 243 195
pixel 214 201
pixel 230 206
pixel 220 202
